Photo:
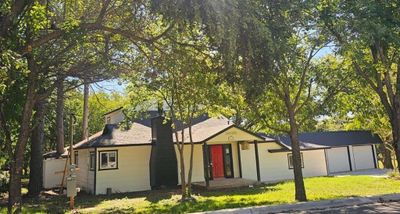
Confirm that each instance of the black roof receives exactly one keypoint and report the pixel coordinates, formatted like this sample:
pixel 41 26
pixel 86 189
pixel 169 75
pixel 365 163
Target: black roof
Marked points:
pixel 139 132
pixel 334 138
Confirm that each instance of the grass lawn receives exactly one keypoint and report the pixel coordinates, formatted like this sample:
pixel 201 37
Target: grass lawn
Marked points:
pixel 165 201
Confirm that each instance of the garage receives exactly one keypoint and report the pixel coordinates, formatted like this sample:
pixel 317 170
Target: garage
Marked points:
pixel 338 159
pixel 364 157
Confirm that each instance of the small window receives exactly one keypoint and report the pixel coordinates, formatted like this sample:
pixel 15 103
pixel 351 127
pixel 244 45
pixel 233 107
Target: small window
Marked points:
pixel 76 158
pixel 92 161
pixel 290 160
pixel 108 160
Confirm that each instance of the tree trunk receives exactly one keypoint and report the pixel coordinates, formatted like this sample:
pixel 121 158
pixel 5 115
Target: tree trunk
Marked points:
pixel 386 156
pixel 189 183
pixel 17 161
pixel 182 173
pixel 60 116
pixel 85 119
pixel 300 191
pixel 396 141
pixel 36 162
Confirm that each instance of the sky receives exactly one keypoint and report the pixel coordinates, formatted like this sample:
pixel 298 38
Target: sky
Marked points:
pixel 117 86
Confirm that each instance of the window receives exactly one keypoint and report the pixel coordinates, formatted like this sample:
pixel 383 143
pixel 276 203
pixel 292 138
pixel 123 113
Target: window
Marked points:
pixel 108 159
pixel 290 160
pixel 76 158
pixel 92 161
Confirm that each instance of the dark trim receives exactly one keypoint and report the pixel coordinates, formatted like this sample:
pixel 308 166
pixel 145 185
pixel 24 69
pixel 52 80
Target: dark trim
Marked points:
pixel 112 111
pixel 233 125
pixel 76 158
pixel 206 163
pixel 239 159
pixel 119 145
pixel 265 141
pixel 288 150
pixel 210 170
pixel 301 158
pixel 373 156
pixel 90 159
pixel 95 171
pixel 257 161
pixel 116 158
pixel 229 146
pixel 349 156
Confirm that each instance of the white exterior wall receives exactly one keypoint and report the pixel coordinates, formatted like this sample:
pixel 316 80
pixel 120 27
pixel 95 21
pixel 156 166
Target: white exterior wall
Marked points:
pixel 248 161
pixel 198 167
pixel 363 157
pixel 133 173
pixel 338 159
pixel 235 158
pixel 52 172
pixel 83 170
pixel 274 166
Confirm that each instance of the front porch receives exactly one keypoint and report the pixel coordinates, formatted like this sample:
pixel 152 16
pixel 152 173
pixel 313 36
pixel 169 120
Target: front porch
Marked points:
pixel 225 183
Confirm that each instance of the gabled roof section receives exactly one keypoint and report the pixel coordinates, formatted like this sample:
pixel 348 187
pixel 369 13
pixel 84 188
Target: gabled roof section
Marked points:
pixel 112 111
pixel 211 128
pixel 287 147
pixel 113 135
pixel 315 140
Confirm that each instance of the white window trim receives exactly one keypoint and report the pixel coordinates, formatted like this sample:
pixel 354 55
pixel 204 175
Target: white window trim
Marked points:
pixel 109 166
pixel 92 162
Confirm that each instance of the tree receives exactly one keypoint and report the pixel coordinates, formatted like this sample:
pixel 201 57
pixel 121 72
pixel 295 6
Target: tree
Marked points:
pixel 36 154
pixel 180 75
pixel 31 28
pixel 85 116
pixel 284 86
pixel 349 112
pixel 366 33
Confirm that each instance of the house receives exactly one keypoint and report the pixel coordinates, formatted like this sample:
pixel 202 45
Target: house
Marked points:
pixel 348 150
pixel 145 156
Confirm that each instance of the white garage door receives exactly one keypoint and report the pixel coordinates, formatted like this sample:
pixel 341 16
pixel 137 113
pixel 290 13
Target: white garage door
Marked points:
pixel 363 157
pixel 338 159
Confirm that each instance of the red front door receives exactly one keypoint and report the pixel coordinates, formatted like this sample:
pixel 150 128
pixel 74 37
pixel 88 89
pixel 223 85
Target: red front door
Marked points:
pixel 217 161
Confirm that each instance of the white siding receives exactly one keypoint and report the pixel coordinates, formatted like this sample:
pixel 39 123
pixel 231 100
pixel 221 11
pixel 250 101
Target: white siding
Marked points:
pixel 248 160
pixel 133 173
pixel 363 157
pixel 274 166
pixel 338 159
pixel 233 134
pixel 198 167
pixel 83 169
pixel 52 172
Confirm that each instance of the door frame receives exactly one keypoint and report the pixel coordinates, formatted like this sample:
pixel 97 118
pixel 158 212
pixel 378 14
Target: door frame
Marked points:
pixel 224 146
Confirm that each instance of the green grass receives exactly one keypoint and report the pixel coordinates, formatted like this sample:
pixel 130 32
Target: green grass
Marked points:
pixel 319 188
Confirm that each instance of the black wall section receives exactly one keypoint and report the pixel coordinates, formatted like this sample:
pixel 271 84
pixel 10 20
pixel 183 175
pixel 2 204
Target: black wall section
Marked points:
pixel 163 163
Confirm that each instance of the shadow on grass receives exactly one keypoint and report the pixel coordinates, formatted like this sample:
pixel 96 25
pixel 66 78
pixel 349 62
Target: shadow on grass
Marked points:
pixel 161 201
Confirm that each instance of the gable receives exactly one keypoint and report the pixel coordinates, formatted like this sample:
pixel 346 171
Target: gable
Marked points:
pixel 234 134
